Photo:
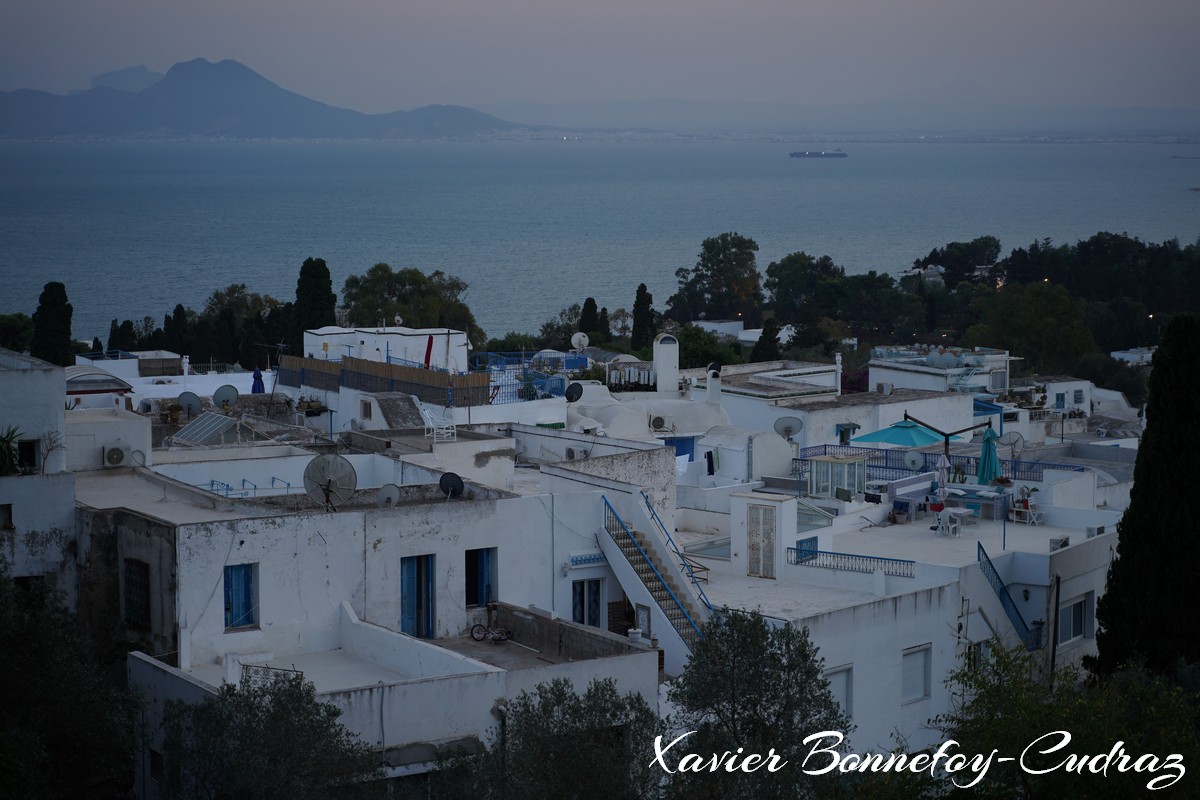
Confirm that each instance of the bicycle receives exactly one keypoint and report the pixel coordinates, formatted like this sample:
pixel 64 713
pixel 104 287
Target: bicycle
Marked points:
pixel 481 632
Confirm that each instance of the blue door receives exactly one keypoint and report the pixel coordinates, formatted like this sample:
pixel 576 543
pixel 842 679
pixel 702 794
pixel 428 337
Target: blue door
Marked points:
pixel 416 596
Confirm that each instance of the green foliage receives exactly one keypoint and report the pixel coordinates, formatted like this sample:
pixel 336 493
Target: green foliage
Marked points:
pixel 64 731
pixel 801 289
pixel 589 317
pixel 1040 323
pixel 1108 373
pixel 644 328
pixel 16 332
pixel 52 326
pixel 1007 701
pixel 959 259
pixel 723 284
pixel 752 686
pixel 555 743
pixel 556 332
pixel 434 301
pixel 767 346
pixel 264 741
pixel 513 342
pixel 316 302
pixel 10 462
pixel 1157 546
pixel 699 348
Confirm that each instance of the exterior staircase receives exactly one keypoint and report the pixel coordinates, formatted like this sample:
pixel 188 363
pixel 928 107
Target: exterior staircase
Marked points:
pixel 656 577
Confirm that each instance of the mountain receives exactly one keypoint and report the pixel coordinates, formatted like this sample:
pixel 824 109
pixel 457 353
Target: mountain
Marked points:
pixel 223 99
pixel 130 79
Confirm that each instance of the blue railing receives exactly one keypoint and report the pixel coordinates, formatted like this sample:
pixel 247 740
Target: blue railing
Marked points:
pixel 683 560
pixel 615 525
pixel 888 463
pixel 1032 637
pixel 851 562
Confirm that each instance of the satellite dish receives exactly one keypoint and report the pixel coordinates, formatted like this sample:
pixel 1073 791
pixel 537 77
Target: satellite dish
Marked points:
pixel 914 461
pixel 451 484
pixel 399 320
pixel 574 392
pixel 788 426
pixel 1013 440
pixel 579 340
pixel 225 396
pixel 387 496
pixel 330 480
pixel 191 403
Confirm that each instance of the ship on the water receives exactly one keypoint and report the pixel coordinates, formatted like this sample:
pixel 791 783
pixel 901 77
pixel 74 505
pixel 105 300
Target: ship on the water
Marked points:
pixel 819 154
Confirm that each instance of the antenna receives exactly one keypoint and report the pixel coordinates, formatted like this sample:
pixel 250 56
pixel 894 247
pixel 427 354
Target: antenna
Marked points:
pixel 190 403
pixel 451 484
pixel 579 340
pixel 788 426
pixel 330 480
pixel 225 397
pixel 914 461
pixel 387 496
pixel 574 392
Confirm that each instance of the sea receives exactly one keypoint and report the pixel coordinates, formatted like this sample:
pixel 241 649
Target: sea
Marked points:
pixel 533 226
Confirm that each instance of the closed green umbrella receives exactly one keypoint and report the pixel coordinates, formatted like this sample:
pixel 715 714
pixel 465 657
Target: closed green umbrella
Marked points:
pixel 989 462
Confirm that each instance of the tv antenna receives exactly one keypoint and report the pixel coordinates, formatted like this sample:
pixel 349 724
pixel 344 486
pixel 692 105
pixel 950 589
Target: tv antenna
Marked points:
pixel 330 480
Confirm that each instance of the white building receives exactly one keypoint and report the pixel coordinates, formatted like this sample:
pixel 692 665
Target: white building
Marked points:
pixel 37 515
pixel 437 348
pixel 979 371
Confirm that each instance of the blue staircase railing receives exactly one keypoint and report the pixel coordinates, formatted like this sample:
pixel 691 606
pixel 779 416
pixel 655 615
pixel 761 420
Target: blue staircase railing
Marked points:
pixel 612 524
pixel 851 562
pixel 1032 637
pixel 683 560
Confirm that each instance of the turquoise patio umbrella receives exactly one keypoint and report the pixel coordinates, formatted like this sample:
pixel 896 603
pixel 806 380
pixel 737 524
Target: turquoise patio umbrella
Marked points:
pixel 989 462
pixel 903 434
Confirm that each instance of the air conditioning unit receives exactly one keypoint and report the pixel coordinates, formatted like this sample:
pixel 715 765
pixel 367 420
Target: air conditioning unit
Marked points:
pixel 660 422
pixel 1059 542
pixel 1093 532
pixel 576 453
pixel 884 389
pixel 115 456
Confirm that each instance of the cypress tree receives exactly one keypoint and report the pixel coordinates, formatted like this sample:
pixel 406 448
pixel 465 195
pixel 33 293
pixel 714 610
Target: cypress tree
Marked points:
pixel 52 326
pixel 315 302
pixel 603 326
pixel 642 334
pixel 767 346
pixel 1144 613
pixel 589 318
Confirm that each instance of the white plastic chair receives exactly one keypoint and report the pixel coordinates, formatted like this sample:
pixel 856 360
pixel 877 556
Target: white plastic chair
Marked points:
pixel 947 523
pixel 440 429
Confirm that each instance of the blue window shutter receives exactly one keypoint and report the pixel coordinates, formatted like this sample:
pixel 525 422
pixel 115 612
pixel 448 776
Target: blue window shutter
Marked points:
pixel 408 595
pixel 239 596
pixel 487 592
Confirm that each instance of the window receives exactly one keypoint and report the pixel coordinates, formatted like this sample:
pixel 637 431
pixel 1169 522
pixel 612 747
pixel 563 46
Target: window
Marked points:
pixel 1074 620
pixel 585 602
pixel 241 596
pixel 365 407
pixel 137 594
pixel 27 456
pixel 1079 397
pixel 1060 400
pixel 915 674
pixel 416 596
pixel 840 686
pixel 481 577
pixel 6 518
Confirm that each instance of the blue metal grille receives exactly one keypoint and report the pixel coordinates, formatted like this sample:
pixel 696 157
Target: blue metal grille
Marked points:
pixel 888 463
pixel 851 562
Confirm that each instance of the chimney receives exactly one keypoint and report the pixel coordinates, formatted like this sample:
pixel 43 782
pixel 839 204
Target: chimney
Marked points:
pixel 666 363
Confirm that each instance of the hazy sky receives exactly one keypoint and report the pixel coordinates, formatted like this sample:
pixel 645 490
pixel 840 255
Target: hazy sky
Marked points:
pixel 385 55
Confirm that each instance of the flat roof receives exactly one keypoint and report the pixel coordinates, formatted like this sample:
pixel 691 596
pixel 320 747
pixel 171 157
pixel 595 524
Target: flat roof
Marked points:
pixel 898 395
pixel 329 670
pixel 784 599
pixel 143 491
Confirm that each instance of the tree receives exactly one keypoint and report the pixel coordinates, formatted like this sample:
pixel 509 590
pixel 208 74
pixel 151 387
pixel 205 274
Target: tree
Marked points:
pixel 621 322
pixel 959 259
pixel 268 740
pixel 433 301
pixel 52 326
pixel 643 331
pixel 1039 322
pixel 756 687
pixel 589 317
pixel 767 346
pixel 316 302
pixel 723 284
pixel 556 332
pixel 556 743
pixel 801 289
pixel 604 326
pixel 64 730
pixel 16 332
pixel 699 348
pixel 1157 549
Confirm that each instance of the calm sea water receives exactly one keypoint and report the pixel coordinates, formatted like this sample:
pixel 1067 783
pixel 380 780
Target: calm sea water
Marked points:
pixel 132 229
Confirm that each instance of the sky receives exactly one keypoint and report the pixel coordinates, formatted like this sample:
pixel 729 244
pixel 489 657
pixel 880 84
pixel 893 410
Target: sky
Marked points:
pixel 387 55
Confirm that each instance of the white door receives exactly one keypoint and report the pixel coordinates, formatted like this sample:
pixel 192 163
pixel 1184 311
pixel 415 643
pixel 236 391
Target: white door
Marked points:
pixel 760 535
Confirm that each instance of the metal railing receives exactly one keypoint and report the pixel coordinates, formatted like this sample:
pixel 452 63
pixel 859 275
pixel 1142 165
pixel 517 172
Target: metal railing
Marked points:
pixel 851 562
pixel 684 561
pixel 258 676
pixel 615 527
pixel 811 518
pixel 1032 637
pixel 888 463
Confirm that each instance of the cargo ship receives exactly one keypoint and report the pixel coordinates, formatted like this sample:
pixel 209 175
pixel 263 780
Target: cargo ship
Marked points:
pixel 819 154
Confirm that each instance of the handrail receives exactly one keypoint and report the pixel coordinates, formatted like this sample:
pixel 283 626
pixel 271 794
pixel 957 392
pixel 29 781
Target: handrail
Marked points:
pixel 683 559
pixel 1032 637
pixel 851 562
pixel 610 514
pixel 698 567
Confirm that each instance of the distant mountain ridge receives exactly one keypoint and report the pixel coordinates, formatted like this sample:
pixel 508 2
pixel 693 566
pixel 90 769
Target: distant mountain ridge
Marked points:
pixel 223 99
